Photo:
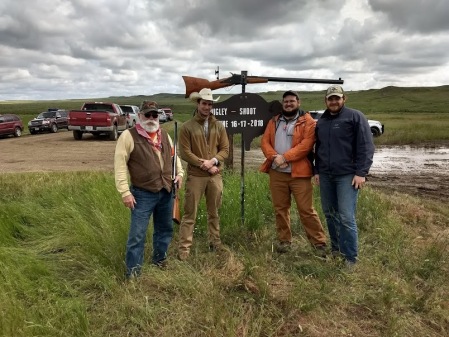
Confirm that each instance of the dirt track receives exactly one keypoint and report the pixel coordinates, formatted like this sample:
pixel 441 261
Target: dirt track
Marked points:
pixel 60 152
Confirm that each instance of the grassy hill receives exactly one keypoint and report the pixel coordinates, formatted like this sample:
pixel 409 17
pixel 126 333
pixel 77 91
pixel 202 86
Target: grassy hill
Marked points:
pixel 410 115
pixel 385 100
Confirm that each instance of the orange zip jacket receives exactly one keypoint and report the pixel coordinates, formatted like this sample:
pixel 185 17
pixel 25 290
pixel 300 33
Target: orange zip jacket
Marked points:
pixel 302 144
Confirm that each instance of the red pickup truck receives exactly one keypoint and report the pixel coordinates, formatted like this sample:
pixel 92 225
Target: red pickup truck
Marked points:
pixel 97 118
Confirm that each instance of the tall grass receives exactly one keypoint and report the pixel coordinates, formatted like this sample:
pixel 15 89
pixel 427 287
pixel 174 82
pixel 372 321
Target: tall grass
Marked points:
pixel 412 129
pixel 62 239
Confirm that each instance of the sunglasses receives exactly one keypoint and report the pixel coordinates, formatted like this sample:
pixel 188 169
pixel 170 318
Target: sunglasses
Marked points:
pixel 153 114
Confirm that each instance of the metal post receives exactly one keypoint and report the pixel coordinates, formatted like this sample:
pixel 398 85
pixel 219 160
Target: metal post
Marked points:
pixel 242 161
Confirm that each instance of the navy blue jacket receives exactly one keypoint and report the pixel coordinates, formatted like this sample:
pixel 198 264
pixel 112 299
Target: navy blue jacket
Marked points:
pixel 344 143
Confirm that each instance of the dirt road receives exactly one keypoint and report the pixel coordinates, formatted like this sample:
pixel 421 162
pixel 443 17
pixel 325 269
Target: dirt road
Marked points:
pixel 60 152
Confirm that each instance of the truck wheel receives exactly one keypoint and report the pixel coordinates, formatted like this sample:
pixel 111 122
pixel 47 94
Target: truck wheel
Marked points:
pixel 375 132
pixel 54 128
pixel 17 132
pixel 78 135
pixel 113 135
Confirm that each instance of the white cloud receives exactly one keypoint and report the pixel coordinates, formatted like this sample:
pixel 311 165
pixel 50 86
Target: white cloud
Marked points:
pixel 56 49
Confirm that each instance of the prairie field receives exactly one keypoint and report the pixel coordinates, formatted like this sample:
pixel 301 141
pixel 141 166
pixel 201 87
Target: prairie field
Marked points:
pixel 63 233
pixel 62 247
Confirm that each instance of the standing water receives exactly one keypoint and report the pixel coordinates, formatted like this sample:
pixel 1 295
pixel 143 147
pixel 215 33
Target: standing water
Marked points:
pixel 408 159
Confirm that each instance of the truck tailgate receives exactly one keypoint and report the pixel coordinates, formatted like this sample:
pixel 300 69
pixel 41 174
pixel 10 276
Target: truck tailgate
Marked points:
pixel 89 118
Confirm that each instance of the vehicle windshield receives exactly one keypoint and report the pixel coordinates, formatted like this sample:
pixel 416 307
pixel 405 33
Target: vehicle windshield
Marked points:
pixel 127 109
pixel 99 107
pixel 46 114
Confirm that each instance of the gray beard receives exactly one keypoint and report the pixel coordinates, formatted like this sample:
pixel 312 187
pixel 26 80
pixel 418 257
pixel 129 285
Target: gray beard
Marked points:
pixel 150 126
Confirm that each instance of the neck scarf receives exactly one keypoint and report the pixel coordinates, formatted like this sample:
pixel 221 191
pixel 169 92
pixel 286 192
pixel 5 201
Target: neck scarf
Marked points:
pixel 156 143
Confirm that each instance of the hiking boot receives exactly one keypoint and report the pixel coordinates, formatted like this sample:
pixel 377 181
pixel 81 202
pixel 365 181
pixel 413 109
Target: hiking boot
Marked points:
pixel 162 264
pixel 320 251
pixel 216 247
pixel 283 247
pixel 131 278
pixel 183 255
pixel 335 254
pixel 349 266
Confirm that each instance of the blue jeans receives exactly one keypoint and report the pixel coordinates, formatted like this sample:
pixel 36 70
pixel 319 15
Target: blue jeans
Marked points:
pixel 159 205
pixel 339 201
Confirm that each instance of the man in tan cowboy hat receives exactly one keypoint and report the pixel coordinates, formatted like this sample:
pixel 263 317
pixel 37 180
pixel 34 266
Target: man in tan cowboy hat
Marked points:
pixel 145 154
pixel 204 145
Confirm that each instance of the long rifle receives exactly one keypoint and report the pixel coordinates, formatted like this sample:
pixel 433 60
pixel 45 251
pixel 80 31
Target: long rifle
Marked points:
pixel 195 84
pixel 176 214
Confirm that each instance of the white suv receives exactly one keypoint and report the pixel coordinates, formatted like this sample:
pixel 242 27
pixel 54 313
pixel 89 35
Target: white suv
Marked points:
pixel 377 128
pixel 162 116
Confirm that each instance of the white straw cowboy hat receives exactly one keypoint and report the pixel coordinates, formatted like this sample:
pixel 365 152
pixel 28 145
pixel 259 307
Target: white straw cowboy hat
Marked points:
pixel 205 94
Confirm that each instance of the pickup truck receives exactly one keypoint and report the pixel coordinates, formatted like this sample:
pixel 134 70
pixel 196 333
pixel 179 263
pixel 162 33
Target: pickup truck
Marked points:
pixel 97 118
pixel 131 112
pixel 377 128
pixel 168 113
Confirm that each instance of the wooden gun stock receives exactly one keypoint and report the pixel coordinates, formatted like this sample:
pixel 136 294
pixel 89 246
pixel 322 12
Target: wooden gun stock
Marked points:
pixel 195 84
pixel 176 211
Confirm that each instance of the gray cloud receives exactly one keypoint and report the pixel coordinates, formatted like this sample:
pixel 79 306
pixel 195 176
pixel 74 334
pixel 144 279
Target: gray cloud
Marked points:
pixel 422 16
pixel 52 49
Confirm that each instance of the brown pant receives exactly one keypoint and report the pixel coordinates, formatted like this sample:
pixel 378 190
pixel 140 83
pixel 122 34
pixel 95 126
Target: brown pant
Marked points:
pixel 282 186
pixel 196 187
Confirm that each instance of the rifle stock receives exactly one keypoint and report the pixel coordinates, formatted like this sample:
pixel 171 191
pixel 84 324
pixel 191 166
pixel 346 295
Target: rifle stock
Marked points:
pixel 195 84
pixel 176 213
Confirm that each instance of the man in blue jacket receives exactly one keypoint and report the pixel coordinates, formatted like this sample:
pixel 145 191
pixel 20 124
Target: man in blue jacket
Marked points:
pixel 343 156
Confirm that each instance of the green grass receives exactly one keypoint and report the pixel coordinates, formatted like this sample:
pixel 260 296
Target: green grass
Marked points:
pixel 413 128
pixel 62 241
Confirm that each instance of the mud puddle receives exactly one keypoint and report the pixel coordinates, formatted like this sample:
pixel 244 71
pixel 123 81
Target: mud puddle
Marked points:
pixel 411 160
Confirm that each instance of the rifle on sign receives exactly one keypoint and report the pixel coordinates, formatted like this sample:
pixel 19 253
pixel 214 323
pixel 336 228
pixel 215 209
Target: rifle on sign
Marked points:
pixel 176 214
pixel 195 84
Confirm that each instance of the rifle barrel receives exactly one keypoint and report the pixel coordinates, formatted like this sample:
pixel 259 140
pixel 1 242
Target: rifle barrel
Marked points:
pixel 301 80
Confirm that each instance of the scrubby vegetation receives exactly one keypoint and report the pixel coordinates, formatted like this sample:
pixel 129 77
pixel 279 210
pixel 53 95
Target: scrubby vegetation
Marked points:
pixel 62 241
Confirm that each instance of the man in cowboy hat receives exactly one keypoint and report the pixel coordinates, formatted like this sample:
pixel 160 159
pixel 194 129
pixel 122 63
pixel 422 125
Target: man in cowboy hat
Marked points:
pixel 204 145
pixel 145 153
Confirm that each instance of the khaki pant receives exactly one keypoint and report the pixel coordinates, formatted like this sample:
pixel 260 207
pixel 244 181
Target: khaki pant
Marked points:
pixel 282 186
pixel 196 187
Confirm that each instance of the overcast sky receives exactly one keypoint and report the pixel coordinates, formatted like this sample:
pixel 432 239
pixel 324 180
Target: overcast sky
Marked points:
pixel 58 49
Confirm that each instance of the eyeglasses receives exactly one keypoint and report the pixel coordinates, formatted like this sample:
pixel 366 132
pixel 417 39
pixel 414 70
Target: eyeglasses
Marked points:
pixel 153 114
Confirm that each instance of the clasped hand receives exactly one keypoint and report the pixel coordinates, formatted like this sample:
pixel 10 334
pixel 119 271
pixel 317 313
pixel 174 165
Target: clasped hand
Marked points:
pixel 209 166
pixel 279 161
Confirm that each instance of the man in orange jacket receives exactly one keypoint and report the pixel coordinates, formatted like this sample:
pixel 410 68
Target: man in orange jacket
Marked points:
pixel 287 143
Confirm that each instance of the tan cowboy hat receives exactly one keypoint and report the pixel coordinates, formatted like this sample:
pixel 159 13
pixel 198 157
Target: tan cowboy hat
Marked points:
pixel 205 94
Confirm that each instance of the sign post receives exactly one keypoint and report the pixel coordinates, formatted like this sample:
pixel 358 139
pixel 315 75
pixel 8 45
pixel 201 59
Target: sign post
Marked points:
pixel 247 114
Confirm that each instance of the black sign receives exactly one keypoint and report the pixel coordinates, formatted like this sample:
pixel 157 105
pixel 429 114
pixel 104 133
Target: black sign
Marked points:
pixel 247 114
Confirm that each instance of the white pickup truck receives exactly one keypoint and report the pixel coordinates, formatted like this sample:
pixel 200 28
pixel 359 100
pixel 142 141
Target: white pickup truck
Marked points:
pixel 377 128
